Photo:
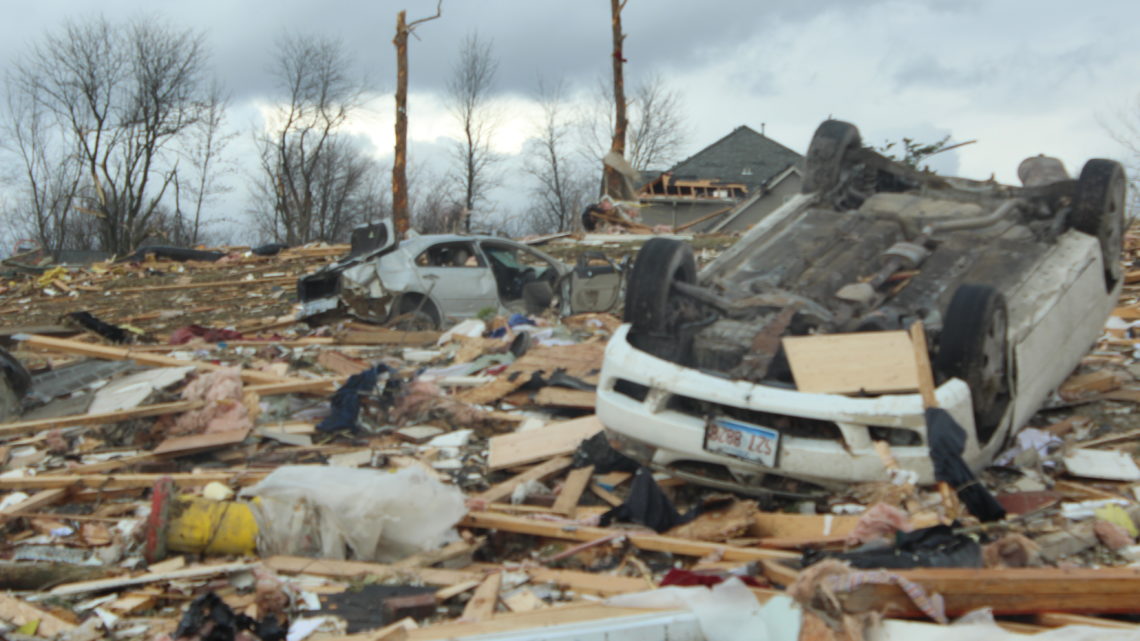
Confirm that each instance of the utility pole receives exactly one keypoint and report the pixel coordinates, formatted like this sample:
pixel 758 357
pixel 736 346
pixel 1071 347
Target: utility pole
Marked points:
pixel 400 216
pixel 613 183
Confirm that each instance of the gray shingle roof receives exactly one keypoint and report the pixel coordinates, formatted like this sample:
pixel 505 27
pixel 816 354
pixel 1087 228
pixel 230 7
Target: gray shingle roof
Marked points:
pixel 727 159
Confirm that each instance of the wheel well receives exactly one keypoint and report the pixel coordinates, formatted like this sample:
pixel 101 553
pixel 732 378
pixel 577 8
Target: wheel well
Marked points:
pixel 413 301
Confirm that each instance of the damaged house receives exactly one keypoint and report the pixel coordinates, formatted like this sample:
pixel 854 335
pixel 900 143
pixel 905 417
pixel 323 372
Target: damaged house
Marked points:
pixel 727 186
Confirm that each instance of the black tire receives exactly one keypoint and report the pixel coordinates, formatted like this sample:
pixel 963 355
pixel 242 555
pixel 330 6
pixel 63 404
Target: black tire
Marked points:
pixel 974 347
pixel 1098 210
pixel 650 307
pixel 825 154
pixel 660 262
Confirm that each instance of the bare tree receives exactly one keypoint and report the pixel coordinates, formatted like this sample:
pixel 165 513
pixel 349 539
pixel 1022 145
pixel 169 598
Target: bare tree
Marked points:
pixel 122 94
pixel 47 181
pixel 561 188
pixel 316 180
pixel 399 165
pixel 657 129
pixel 205 167
pixel 469 93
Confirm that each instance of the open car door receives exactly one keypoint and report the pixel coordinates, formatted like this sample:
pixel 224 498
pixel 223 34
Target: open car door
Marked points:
pixel 594 284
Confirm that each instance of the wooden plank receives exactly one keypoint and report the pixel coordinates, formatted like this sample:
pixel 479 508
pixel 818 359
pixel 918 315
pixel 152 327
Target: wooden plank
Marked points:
pixel 869 362
pixel 594 583
pixel 500 491
pixel 564 397
pixel 524 601
pixel 446 553
pixel 347 569
pixel 196 572
pixel 605 495
pixel 194 443
pixel 1009 591
pixel 126 354
pixel 443 594
pixel 656 542
pixel 777 525
pixel 572 489
pixel 277 280
pixel 341 363
pixel 34 503
pixel 922 365
pixel 30 427
pixel 311 386
pixel 123 481
pixel 1060 619
pixel 520 448
pixel 481 607
pixel 22 613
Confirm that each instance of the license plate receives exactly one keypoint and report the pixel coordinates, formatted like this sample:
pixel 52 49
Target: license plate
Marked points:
pixel 742 440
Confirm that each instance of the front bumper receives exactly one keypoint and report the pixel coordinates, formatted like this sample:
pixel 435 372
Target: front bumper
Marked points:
pixel 645 402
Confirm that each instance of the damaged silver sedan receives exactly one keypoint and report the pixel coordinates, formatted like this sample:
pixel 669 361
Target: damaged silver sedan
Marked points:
pixel 1013 285
pixel 432 281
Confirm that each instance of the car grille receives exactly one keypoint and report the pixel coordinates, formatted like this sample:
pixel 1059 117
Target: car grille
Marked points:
pixel 787 425
pixel 636 391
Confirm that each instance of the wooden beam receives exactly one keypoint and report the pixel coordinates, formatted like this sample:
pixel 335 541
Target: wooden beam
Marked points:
pixel 347 569
pixel 122 481
pixel 1009 591
pixel 37 425
pixel 481 607
pixel 22 613
pixel 127 354
pixel 572 489
pixel 277 280
pixel 541 472
pixel 196 572
pixel 310 386
pixel 520 448
pixel 589 582
pixel 656 542
pixel 33 503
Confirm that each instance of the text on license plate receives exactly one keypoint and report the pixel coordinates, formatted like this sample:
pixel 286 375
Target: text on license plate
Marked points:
pixel 742 440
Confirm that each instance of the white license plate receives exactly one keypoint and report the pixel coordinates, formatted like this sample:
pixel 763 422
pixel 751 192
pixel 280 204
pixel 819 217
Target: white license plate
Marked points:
pixel 742 440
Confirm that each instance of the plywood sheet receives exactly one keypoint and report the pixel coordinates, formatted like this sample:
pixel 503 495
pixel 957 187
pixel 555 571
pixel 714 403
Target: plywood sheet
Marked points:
pixel 556 439
pixel 867 362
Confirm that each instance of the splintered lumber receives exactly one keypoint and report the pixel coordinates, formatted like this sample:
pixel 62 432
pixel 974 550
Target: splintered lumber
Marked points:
pixel 37 425
pixel 347 569
pixel 195 443
pixel 124 481
pixel 482 604
pixel 572 489
pixel 868 362
pixel 530 625
pixel 529 446
pixel 127 354
pixel 589 582
pixel 1007 591
pixel 645 541
pixel 446 553
pixel 299 386
pixel 541 472
pixel 196 572
pixel 791 530
pixel 563 397
pixel 450 591
pixel 21 613
pixel 276 280
pixel 582 361
pixel 34 502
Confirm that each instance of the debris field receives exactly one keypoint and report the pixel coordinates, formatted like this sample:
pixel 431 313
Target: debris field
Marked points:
pixel 190 462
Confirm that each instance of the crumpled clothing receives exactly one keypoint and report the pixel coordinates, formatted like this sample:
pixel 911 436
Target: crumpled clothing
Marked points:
pixel 346 400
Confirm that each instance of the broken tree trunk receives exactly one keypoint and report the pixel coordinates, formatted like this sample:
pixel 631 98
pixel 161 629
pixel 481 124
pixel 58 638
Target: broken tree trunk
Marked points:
pixel 613 183
pixel 400 214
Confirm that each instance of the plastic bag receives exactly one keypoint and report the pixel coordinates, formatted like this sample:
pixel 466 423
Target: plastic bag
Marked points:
pixel 364 514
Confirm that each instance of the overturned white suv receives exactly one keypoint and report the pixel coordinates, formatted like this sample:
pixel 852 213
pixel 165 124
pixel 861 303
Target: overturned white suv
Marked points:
pixel 1013 285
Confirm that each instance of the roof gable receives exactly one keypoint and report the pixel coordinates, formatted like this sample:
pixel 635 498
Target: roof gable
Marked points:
pixel 743 156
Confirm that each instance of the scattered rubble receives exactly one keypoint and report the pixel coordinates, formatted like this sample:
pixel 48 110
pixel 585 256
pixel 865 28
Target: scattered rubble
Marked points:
pixel 260 479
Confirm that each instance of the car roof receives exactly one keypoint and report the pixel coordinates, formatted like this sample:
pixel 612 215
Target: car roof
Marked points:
pixel 421 242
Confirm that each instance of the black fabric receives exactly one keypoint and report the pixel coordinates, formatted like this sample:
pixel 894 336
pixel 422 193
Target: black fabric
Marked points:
pixel 346 400
pixel 946 440
pixel 598 452
pixel 173 253
pixel 87 320
pixel 932 547
pixel 272 249
pixel 647 505
pixel 209 619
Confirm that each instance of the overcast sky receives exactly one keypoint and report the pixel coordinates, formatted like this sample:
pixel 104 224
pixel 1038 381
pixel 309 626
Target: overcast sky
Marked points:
pixel 1022 77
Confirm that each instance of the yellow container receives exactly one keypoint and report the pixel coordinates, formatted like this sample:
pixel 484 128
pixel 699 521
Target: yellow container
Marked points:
pixel 203 526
